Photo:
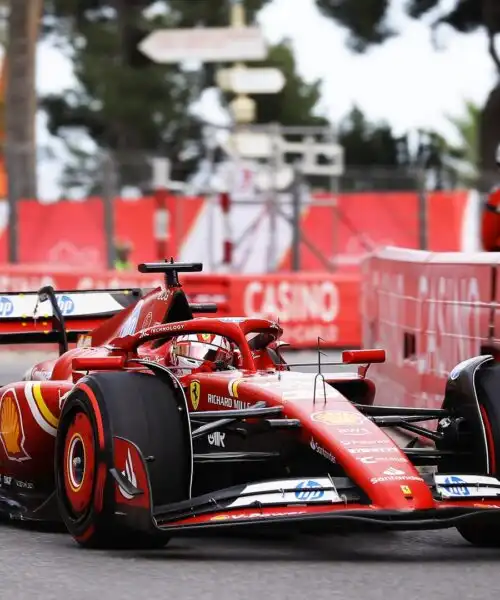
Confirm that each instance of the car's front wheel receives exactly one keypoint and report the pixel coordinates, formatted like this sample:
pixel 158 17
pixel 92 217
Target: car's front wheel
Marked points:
pixel 103 411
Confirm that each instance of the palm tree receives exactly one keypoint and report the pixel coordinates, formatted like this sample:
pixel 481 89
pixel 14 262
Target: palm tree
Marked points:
pixel 463 156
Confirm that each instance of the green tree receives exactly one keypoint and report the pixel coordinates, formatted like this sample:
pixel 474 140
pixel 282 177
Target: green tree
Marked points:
pixel 127 105
pixel 375 157
pixel 464 154
pixel 367 23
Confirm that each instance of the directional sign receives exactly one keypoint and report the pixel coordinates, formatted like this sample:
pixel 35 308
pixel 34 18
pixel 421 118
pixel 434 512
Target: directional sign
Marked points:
pixel 225 44
pixel 248 144
pixel 251 81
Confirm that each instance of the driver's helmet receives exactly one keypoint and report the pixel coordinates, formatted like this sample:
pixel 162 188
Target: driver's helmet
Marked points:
pixel 188 353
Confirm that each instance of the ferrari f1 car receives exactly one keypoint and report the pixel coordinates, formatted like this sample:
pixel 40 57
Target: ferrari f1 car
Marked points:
pixel 128 447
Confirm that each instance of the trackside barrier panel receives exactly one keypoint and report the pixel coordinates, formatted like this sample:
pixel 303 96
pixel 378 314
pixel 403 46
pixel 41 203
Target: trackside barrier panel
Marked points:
pixel 308 306
pixel 429 311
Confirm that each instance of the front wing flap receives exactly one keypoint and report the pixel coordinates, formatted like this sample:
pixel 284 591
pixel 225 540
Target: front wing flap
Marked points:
pixel 325 504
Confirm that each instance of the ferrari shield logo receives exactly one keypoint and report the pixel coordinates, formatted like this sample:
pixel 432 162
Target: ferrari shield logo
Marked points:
pixel 330 417
pixel 194 393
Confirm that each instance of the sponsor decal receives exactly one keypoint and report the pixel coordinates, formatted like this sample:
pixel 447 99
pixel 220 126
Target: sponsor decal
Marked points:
pixel 455 486
pixel 371 460
pixel 25 485
pixel 37 373
pixel 330 417
pixel 227 402
pixel 6 306
pixel 129 474
pixel 129 326
pixel 160 329
pixel 460 367
pixel 39 409
pixel 147 321
pixel 232 387
pixel 11 427
pixel 309 490
pixel 364 442
pixel 388 450
pixel 206 337
pixel 395 478
pixel 66 305
pixel 194 393
pixel 406 490
pixel 354 431
pixel 217 439
pixel 228 517
pixel 322 452
pixel 393 471
pixel 467 486
pixel 288 491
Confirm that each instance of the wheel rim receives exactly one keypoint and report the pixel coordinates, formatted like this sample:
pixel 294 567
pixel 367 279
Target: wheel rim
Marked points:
pixel 79 463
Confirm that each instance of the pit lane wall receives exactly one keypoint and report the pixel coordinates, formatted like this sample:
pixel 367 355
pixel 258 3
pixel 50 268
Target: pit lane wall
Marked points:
pixel 308 305
pixel 429 311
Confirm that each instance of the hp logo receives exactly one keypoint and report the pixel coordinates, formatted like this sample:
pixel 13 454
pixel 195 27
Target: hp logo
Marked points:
pixel 66 305
pixel 306 491
pixel 458 490
pixel 6 307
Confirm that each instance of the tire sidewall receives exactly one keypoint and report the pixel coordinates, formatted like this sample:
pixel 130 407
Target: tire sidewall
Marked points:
pixel 79 402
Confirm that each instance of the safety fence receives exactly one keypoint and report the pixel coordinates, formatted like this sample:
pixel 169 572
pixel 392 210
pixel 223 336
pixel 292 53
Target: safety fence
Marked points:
pixel 429 311
pixel 332 232
pixel 307 306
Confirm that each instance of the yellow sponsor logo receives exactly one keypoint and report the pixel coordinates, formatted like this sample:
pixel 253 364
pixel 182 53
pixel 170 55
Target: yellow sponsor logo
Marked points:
pixel 233 387
pixel 330 417
pixel 406 490
pixel 194 393
pixel 11 427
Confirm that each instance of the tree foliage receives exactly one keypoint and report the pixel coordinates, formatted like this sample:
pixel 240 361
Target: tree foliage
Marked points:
pixel 127 105
pixel 367 24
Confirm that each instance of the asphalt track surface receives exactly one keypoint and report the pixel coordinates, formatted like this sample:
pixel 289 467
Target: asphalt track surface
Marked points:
pixel 399 566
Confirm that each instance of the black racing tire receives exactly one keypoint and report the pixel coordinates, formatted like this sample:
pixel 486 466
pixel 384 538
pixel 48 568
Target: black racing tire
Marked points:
pixel 485 532
pixel 137 407
pixel 481 533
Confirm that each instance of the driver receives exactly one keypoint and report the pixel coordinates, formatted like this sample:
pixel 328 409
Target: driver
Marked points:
pixel 200 351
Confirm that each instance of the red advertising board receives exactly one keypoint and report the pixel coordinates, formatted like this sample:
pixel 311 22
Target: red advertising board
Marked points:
pixel 430 312
pixel 307 305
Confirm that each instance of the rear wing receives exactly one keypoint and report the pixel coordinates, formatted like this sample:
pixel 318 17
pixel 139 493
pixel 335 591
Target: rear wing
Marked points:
pixel 60 317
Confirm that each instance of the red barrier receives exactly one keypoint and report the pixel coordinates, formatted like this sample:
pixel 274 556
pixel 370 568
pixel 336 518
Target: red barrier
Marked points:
pixel 307 305
pixel 430 312
pixel 73 233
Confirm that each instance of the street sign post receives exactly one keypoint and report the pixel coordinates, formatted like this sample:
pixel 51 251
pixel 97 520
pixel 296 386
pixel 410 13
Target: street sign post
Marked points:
pixel 223 44
pixel 242 80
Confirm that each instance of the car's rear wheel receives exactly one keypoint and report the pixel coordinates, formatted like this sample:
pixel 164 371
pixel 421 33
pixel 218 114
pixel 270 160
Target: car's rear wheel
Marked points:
pixel 132 406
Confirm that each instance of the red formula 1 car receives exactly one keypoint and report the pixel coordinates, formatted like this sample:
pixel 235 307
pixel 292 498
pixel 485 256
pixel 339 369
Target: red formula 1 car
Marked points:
pixel 160 424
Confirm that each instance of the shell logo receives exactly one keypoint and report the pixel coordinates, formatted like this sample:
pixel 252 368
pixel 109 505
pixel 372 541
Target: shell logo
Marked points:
pixel 11 427
pixel 330 417
pixel 233 387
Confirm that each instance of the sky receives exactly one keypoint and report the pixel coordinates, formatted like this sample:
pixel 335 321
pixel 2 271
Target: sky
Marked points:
pixel 406 81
